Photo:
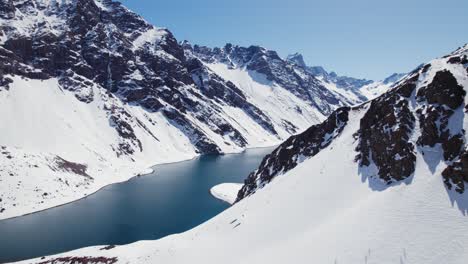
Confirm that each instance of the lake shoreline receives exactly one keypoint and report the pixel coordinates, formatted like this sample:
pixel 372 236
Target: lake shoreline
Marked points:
pixel 140 208
pixel 131 178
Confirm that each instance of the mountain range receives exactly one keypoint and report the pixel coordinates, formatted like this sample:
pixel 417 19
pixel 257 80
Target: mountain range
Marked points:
pixel 93 94
pixel 364 172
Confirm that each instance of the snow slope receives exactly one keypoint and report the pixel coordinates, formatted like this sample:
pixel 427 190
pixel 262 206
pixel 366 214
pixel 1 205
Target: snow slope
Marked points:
pixel 226 191
pixel 330 208
pixel 280 104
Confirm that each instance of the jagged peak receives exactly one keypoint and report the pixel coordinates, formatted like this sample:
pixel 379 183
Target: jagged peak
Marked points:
pixel 297 59
pixel 461 50
pixel 393 78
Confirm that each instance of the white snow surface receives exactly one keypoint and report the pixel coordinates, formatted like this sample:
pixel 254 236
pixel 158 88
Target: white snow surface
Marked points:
pixel 375 89
pixel 277 102
pixel 226 191
pixel 150 37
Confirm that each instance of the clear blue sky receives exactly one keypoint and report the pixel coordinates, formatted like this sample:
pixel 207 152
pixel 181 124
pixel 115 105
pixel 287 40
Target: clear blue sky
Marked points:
pixel 360 38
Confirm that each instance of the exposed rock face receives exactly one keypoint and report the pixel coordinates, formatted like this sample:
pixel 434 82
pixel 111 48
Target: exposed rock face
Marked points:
pixel 456 175
pixel 73 167
pixel 443 90
pixel 441 98
pixel 7 9
pixel 81 260
pixel 447 111
pixel 384 134
pixel 294 151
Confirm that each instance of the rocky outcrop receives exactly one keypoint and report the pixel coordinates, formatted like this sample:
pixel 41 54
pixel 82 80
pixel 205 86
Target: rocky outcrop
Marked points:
pixel 68 166
pixel 384 134
pixel 439 101
pixel 81 260
pixel 456 174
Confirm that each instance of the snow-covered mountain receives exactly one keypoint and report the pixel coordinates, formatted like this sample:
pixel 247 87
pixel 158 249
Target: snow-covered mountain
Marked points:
pixel 254 68
pixel 91 94
pixel 354 88
pixel 383 182
pixel 423 114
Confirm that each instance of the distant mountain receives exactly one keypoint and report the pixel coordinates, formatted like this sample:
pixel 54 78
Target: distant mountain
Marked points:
pixel 361 89
pixel 297 59
pixel 393 78
pixel 248 67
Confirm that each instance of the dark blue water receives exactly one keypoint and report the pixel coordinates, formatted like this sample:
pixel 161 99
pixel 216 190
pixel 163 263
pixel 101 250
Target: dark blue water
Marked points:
pixel 173 199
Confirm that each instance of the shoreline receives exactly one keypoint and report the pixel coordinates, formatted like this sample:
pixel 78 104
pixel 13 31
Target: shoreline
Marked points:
pixel 100 189
pixel 129 179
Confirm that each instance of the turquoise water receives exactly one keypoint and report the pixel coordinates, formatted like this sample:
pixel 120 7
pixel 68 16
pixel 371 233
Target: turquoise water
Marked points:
pixel 173 199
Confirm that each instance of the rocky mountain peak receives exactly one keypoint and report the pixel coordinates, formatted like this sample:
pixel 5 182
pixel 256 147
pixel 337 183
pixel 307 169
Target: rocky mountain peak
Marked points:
pixel 393 78
pixel 296 59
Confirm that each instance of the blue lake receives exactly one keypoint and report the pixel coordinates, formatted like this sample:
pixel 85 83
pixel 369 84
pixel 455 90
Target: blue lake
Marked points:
pixel 173 199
